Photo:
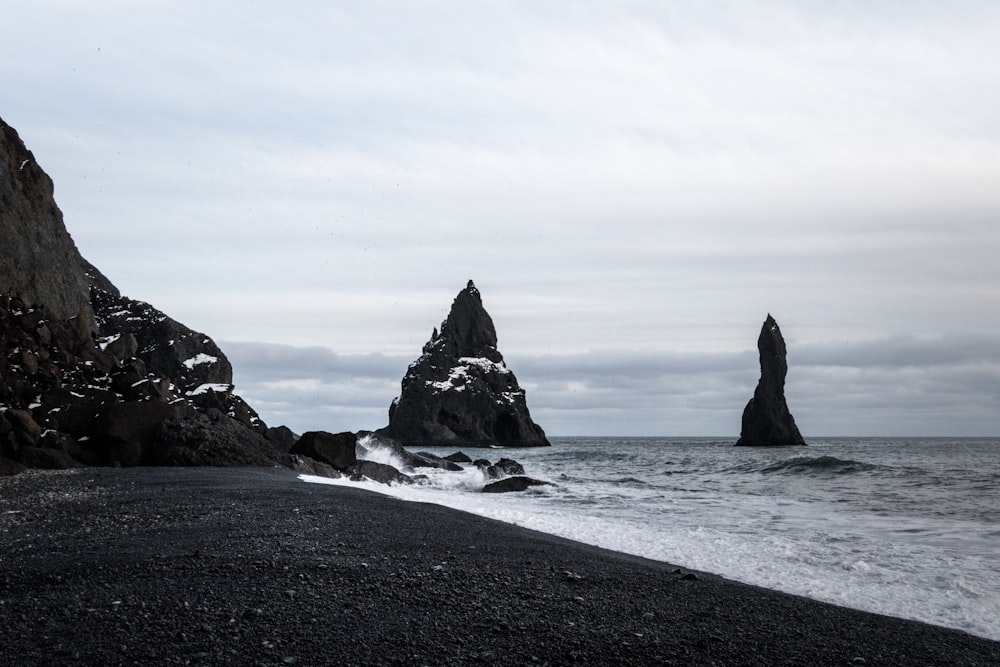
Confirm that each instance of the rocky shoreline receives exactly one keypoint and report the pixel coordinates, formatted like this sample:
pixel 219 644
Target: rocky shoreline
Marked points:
pixel 212 566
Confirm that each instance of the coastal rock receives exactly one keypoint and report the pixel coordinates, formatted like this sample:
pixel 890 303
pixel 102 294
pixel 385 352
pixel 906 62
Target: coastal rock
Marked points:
pixel 338 450
pixel 766 418
pixel 88 376
pixel 430 460
pixel 308 466
pixel 382 473
pixel 281 437
pixel 513 484
pixel 39 263
pixel 460 392
pixel 210 438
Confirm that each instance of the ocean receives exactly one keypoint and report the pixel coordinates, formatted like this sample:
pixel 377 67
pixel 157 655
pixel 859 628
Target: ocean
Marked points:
pixel 908 527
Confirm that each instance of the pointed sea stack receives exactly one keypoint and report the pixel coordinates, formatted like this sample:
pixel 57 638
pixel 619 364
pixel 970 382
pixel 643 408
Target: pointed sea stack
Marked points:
pixel 460 392
pixel 766 419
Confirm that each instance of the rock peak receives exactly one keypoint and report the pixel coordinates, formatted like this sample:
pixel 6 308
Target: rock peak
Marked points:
pixel 460 391
pixel 766 418
pixel 468 331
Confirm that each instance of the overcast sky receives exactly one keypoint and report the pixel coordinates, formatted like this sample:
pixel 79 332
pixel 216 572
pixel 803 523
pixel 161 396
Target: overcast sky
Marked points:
pixel 633 186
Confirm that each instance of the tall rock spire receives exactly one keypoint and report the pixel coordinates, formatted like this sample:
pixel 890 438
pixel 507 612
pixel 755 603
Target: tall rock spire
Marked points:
pixel 460 392
pixel 766 419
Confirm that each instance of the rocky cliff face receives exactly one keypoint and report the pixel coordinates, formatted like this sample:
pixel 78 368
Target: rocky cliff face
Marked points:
pixel 39 262
pixel 766 418
pixel 460 392
pixel 90 377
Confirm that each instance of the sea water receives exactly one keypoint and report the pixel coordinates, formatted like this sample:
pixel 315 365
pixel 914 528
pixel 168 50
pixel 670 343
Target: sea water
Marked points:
pixel 907 527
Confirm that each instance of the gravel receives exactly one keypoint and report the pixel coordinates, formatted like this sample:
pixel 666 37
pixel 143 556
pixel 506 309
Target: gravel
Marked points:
pixel 250 566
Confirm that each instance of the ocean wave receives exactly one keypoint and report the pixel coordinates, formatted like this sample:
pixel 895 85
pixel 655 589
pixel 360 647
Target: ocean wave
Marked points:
pixel 819 465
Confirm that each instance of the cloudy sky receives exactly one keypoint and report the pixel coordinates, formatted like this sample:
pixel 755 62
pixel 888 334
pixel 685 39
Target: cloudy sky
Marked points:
pixel 633 186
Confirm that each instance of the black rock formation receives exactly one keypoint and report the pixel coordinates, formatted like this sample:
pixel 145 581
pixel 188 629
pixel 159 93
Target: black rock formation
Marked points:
pixel 39 262
pixel 338 450
pixel 460 392
pixel 90 377
pixel 519 483
pixel 766 419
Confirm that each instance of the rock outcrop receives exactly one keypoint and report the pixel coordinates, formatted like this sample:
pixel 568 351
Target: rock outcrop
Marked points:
pixel 460 392
pixel 39 262
pixel 90 377
pixel 766 418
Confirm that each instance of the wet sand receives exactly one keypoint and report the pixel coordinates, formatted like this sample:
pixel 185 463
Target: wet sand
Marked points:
pixel 250 566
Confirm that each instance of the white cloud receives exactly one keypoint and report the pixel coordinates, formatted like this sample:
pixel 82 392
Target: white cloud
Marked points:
pixel 640 176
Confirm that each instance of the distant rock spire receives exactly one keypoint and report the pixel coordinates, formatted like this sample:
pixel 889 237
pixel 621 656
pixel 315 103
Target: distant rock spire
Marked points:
pixel 766 418
pixel 460 392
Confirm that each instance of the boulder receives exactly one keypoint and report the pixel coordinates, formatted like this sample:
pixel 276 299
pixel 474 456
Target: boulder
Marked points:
pixel 308 466
pixel 509 484
pixel 281 437
pixel 23 421
pixel 125 432
pixel 429 460
pixel 459 457
pixel 52 459
pixel 766 418
pixel 378 472
pixel 460 392
pixel 210 438
pixel 509 467
pixel 9 467
pixel 338 450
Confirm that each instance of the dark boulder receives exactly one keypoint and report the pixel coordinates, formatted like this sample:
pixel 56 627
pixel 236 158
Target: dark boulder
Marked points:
pixel 429 460
pixel 308 466
pixel 210 438
pixel 460 392
pixel 335 449
pixel 509 467
pixel 509 484
pixel 22 421
pixel 9 467
pixel 382 473
pixel 45 458
pixel 766 418
pixel 123 432
pixel 502 468
pixel 459 457
pixel 281 437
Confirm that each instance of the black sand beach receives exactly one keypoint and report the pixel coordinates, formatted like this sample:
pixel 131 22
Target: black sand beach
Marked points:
pixel 250 566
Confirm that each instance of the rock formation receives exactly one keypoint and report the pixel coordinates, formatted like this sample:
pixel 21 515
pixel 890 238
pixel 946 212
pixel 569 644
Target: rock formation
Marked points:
pixel 90 377
pixel 766 419
pixel 460 392
pixel 39 262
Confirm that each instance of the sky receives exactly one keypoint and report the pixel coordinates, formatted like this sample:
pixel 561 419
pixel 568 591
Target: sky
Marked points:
pixel 633 186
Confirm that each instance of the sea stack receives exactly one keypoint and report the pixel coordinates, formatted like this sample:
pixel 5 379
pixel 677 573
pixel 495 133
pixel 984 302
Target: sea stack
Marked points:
pixel 460 392
pixel 766 419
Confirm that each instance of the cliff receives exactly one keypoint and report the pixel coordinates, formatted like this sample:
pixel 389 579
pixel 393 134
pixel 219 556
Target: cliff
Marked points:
pixel 91 377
